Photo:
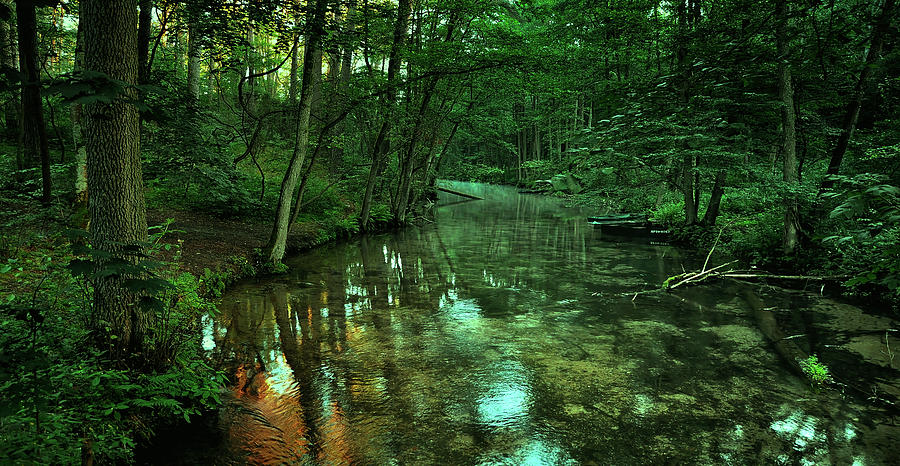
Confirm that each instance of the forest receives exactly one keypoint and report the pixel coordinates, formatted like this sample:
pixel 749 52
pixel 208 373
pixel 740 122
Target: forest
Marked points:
pixel 155 152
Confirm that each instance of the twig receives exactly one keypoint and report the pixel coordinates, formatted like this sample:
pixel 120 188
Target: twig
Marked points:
pixel 887 342
pixel 715 243
pixel 700 275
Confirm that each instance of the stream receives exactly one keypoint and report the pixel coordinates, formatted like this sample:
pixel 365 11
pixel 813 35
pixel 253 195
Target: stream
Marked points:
pixel 505 333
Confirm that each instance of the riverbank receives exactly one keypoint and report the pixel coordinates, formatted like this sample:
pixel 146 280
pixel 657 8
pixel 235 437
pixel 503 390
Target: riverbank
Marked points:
pixel 220 250
pixel 79 402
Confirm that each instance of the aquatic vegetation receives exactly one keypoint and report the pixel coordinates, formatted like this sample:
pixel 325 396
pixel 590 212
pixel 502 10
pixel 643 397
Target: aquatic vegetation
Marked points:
pixel 815 371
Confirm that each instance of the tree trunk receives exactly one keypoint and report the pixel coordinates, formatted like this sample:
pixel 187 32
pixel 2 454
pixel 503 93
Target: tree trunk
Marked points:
pixel 8 59
pixel 688 189
pixel 337 153
pixel 193 71
pixel 34 128
pixel 295 62
pixel 143 40
pixel 118 222
pixel 715 200
pixel 15 101
pixel 382 143
pixel 405 182
pixel 431 175
pixel 315 90
pixel 278 240
pixel 81 186
pixel 879 32
pixel 790 233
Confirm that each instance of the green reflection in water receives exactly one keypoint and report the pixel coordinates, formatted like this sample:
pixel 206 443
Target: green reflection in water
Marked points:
pixel 498 335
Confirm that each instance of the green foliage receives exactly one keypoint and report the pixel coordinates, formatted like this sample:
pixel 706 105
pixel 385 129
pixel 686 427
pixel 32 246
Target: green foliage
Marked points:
pixel 816 372
pixel 480 173
pixel 214 282
pixel 381 213
pixel 187 163
pixel 245 267
pixel 669 213
pixel 866 227
pixel 59 390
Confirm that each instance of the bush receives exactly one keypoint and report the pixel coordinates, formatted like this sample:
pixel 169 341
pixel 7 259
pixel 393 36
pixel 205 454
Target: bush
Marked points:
pixel 60 393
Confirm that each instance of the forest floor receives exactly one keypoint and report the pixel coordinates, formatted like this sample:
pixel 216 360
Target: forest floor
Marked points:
pixel 223 244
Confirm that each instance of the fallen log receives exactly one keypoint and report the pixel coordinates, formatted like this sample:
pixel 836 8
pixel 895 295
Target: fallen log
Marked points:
pixel 459 193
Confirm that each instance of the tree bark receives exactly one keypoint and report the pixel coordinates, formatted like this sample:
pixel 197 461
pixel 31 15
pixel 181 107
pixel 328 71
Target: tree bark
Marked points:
pixel 715 200
pixel 879 32
pixel 9 60
pixel 295 62
pixel 278 239
pixel 405 182
pixel 315 90
pixel 689 190
pixel 116 205
pixel 337 153
pixel 382 143
pixel 790 233
pixel 193 71
pixel 81 186
pixel 143 40
pixel 34 128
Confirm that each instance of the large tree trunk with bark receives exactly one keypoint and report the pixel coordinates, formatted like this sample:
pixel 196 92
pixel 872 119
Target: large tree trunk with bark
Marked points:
pixel 715 200
pixel 34 128
pixel 790 233
pixel 278 239
pixel 382 143
pixel 116 205
pixel 879 32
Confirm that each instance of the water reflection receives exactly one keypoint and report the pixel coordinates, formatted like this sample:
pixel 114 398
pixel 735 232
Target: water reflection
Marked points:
pixel 496 336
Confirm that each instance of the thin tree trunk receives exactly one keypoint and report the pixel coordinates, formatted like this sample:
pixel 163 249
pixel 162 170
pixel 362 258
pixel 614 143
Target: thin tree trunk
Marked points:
pixel 343 88
pixel 337 153
pixel 34 128
pixel 113 166
pixel 315 92
pixel 790 233
pixel 688 189
pixel 16 101
pixel 382 143
pixel 8 59
pixel 431 176
pixel 405 182
pixel 193 71
pixel 278 240
pixel 81 186
pixel 295 62
pixel 879 32
pixel 143 40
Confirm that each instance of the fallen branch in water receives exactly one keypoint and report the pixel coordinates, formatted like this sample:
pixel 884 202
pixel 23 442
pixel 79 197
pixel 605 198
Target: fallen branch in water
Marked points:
pixel 784 277
pixel 695 276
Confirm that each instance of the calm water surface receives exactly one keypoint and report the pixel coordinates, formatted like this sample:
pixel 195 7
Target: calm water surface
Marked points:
pixel 503 333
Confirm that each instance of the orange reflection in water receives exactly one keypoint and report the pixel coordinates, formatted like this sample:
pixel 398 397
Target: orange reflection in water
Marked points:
pixel 262 426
